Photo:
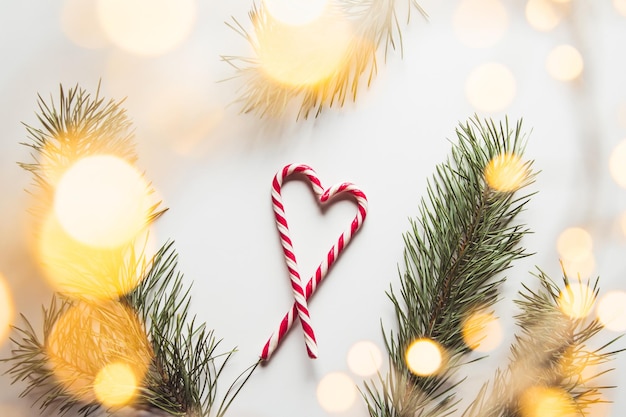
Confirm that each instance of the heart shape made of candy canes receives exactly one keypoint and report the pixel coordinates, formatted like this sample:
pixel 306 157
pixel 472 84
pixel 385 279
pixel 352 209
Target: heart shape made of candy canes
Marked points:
pixel 300 292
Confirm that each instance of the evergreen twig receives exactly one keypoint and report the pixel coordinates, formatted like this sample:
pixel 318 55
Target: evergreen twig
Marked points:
pixel 374 22
pixel 454 256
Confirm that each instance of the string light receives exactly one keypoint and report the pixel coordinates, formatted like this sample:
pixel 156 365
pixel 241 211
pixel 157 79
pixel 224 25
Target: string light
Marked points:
pixel 87 339
pixel 115 384
pixel 620 6
pixel 612 311
pixel 542 14
pixel 482 332
pixel 79 22
pixel 147 27
pixel 538 401
pixel 564 63
pixel 574 244
pixel 364 358
pixel 506 172
pixel 576 300
pixel 490 87
pixel 304 55
pixel 102 201
pixel 480 23
pixel 6 310
pixel 424 357
pixel 336 392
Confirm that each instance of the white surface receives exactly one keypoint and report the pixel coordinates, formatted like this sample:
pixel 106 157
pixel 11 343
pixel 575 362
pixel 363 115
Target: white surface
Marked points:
pixel 218 189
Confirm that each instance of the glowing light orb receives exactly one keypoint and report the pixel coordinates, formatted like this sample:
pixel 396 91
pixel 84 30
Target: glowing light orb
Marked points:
pixel 336 392
pixel 147 27
pixel 304 55
pixel 79 22
pixel 576 300
pixel 296 12
pixel 617 164
pixel 543 15
pixel 582 268
pixel 102 201
pixel 547 402
pixel 86 272
pixel 364 358
pixel 490 87
pixel 506 172
pixel 612 311
pixel 574 244
pixel 482 332
pixel 480 23
pixel 89 337
pixel 424 357
pixel 564 63
pixel 6 310
pixel 115 384
pixel 620 6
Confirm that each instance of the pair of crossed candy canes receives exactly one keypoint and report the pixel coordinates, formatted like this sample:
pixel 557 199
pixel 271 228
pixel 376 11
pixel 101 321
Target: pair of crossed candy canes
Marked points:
pixel 301 293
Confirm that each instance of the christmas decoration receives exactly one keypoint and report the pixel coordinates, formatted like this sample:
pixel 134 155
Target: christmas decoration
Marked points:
pixel 320 63
pixel 124 342
pixel 456 251
pixel 117 335
pixel 302 294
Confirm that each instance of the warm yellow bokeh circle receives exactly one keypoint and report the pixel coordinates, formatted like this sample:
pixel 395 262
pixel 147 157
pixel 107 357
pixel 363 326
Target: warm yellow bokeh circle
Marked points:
pixel 102 201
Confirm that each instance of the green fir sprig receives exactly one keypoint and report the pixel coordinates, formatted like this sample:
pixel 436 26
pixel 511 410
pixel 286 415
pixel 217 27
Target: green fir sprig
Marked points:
pixel 148 327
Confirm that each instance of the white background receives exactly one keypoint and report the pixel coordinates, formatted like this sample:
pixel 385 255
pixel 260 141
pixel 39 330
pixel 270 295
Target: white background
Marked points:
pixel 213 168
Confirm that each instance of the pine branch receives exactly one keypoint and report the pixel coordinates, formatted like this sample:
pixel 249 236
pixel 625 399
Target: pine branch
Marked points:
pixel 139 317
pixel 374 23
pixel 551 353
pixel 454 255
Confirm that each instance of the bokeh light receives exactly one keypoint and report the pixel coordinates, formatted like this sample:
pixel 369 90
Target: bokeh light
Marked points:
pixel 482 332
pixel 480 23
pixel 564 63
pixel 612 311
pixel 617 164
pixel 364 358
pixel 147 27
pixel 490 87
pixel 6 309
pixel 115 384
pixel 336 392
pixel 79 22
pixel 304 55
pixel 89 337
pixel 539 401
pixel 296 12
pixel 102 201
pixel 543 15
pixel 620 6
pixel 574 244
pixel 81 271
pixel 577 300
pixel 583 268
pixel 506 172
pixel 424 357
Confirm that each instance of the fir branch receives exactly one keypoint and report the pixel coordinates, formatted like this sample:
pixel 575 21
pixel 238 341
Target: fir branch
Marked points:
pixel 464 238
pixel 551 352
pixel 374 22
pixel 183 377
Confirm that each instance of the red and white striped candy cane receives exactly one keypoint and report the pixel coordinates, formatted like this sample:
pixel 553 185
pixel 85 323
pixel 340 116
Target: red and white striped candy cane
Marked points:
pixel 302 294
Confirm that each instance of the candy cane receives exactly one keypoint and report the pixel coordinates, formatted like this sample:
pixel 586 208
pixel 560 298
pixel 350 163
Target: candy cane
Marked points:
pixel 301 295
